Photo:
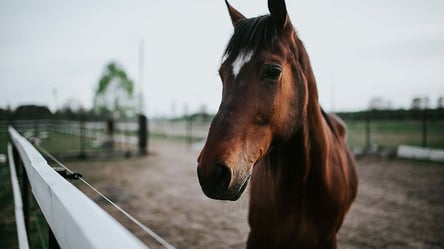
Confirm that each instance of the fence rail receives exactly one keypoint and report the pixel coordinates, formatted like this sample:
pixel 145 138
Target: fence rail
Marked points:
pixel 22 236
pixel 74 219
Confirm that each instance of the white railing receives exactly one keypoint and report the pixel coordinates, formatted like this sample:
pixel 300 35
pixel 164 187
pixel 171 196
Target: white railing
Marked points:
pixel 74 219
pixel 22 236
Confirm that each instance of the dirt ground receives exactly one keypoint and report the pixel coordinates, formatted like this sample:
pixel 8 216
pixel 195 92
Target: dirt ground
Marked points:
pixel 400 204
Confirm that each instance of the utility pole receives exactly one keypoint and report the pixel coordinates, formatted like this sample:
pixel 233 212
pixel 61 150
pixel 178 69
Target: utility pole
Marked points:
pixel 141 77
pixel 54 93
pixel 424 122
pixel 143 131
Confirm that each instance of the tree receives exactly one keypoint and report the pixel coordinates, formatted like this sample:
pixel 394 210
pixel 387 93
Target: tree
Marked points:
pixel 419 103
pixel 6 114
pixel 32 112
pixel 441 103
pixel 378 103
pixel 114 95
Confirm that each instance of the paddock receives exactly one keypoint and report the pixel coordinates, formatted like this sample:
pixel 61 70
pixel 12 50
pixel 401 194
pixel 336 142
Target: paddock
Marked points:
pixel 400 203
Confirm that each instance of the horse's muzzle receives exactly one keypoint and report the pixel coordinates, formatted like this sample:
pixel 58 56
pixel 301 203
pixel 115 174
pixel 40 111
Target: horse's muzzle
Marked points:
pixel 215 184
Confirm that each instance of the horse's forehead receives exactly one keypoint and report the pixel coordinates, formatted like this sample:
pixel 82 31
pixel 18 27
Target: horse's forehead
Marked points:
pixel 242 59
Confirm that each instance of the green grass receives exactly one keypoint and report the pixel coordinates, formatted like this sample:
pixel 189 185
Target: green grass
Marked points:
pixel 3 141
pixel 391 133
pixel 8 234
pixel 184 138
pixel 59 142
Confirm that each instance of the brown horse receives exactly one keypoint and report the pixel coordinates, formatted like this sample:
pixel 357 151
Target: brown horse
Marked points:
pixel 270 127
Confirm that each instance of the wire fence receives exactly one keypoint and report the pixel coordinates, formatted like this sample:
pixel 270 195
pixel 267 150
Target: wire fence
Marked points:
pixel 56 199
pixel 78 138
pixel 368 131
pixel 373 131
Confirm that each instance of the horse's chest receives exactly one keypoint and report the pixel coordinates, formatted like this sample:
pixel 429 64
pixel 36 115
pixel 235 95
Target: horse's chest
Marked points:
pixel 279 220
pixel 274 228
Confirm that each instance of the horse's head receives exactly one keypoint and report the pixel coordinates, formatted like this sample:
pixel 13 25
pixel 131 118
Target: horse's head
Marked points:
pixel 261 104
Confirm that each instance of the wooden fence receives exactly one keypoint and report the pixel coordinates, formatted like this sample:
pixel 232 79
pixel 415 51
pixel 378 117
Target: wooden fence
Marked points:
pixel 74 220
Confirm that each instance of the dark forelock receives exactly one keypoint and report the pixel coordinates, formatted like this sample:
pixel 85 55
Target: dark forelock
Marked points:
pixel 253 34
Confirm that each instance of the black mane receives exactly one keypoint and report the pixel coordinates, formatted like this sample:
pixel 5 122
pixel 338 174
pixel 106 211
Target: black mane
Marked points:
pixel 253 34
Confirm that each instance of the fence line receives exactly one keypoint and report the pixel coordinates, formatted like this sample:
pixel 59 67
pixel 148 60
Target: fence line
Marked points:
pixel 87 139
pixel 150 232
pixel 75 220
pixel 18 204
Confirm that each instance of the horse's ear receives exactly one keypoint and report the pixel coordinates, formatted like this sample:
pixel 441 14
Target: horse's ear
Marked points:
pixel 278 11
pixel 235 15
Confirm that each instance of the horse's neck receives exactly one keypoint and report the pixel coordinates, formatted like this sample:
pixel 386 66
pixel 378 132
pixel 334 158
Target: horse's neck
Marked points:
pixel 303 158
pixel 313 139
pixel 306 154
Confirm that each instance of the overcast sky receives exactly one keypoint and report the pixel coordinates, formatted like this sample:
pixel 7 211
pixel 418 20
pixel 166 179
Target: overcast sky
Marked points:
pixel 54 52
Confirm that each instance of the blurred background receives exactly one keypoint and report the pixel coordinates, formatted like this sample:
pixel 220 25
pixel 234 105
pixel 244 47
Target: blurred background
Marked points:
pixel 378 64
pixel 54 53
pixel 88 79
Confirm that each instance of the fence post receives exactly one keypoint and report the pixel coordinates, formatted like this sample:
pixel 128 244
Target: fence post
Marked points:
pixel 82 154
pixel 367 131
pixel 189 129
pixel 143 134
pixel 110 130
pixel 36 127
pixel 424 127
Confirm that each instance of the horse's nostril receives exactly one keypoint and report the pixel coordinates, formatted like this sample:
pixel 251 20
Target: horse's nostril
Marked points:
pixel 222 177
pixel 216 182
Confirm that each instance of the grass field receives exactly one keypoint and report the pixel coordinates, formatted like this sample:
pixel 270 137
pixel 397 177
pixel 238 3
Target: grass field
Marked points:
pixel 3 140
pixel 58 143
pixel 62 143
pixel 8 234
pixel 391 133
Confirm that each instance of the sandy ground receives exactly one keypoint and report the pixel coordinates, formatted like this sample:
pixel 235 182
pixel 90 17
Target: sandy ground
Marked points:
pixel 400 204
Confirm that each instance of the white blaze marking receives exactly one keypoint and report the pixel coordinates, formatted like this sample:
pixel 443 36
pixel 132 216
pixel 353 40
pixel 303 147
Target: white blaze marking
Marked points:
pixel 225 58
pixel 240 61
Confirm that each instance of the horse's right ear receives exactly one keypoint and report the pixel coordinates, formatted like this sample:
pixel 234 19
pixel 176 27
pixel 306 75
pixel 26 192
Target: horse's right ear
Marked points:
pixel 235 15
pixel 278 11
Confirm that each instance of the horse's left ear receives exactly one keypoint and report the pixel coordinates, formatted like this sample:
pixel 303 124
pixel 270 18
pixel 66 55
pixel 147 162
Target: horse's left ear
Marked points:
pixel 235 15
pixel 278 11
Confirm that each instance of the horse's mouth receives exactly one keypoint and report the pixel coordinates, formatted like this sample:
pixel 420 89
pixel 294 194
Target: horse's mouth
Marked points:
pixel 242 188
pixel 233 193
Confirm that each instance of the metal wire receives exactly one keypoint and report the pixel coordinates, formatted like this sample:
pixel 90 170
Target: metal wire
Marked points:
pixel 147 230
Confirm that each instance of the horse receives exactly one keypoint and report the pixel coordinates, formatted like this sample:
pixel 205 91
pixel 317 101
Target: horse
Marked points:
pixel 271 131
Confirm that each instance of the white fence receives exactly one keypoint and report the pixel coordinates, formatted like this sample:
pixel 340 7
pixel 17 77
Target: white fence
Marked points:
pixel 22 236
pixel 167 128
pixel 420 153
pixel 74 219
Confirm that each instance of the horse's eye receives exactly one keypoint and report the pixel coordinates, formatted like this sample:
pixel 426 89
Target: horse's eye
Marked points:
pixel 272 72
